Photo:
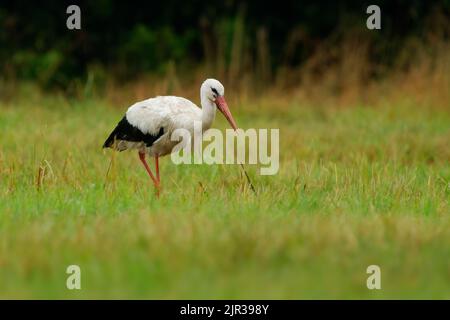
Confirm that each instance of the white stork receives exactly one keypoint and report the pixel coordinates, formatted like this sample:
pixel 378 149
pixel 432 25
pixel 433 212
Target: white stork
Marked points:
pixel 148 125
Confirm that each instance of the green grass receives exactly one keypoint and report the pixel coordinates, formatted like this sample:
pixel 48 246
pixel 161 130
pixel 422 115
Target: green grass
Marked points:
pixel 356 187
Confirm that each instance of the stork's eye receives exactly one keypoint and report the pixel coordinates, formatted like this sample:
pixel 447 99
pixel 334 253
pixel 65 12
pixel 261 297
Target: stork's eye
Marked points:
pixel 215 92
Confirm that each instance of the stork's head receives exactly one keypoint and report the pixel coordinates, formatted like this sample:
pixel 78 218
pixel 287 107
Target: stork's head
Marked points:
pixel 214 91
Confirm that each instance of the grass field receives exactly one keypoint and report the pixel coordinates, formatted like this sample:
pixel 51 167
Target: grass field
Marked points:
pixel 357 186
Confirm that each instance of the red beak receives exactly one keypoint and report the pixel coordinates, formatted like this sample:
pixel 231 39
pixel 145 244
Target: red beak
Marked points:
pixel 223 107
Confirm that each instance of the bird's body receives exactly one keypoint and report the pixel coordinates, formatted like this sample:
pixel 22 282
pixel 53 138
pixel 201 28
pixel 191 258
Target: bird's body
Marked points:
pixel 148 125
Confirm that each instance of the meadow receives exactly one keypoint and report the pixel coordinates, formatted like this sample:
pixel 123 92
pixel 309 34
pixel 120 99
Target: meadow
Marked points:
pixel 359 184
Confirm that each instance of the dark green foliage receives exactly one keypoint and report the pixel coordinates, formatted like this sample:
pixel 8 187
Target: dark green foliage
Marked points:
pixel 130 38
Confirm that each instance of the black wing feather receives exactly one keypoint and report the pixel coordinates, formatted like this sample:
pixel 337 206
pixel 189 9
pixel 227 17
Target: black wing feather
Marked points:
pixel 127 132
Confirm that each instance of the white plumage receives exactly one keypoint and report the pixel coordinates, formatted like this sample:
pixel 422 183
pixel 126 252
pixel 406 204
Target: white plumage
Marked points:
pixel 166 112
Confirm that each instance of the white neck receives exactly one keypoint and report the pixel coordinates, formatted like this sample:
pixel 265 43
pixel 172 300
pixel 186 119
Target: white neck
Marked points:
pixel 208 111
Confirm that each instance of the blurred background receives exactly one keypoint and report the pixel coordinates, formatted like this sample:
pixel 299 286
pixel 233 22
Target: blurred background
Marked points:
pixel 310 48
pixel 364 119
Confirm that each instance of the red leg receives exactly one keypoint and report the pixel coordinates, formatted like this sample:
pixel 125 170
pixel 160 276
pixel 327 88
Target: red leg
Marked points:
pixel 142 157
pixel 157 169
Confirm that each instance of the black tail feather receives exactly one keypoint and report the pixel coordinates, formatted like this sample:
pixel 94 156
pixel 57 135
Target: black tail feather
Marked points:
pixel 127 132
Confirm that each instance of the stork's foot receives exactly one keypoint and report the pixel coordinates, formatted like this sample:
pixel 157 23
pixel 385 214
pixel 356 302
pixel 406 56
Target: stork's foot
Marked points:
pixel 156 180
